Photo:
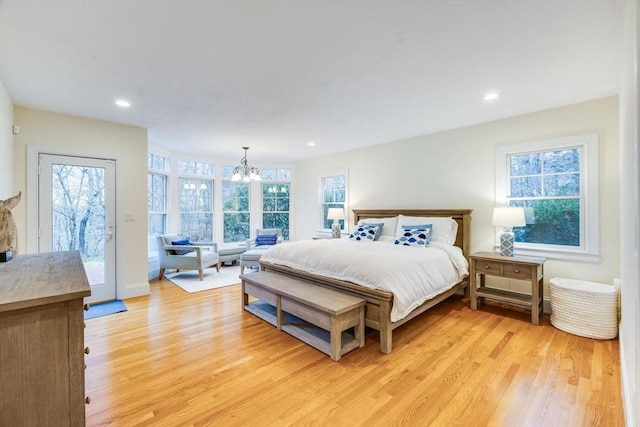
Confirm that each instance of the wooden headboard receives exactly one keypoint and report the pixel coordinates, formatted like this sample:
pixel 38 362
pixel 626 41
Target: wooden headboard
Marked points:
pixel 461 216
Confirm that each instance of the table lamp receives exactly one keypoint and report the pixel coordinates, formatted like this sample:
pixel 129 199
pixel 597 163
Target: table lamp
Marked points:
pixel 335 214
pixel 508 217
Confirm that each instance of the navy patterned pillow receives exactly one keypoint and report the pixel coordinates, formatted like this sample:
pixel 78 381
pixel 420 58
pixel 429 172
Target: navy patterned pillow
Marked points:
pixel 266 239
pixel 184 242
pixel 364 233
pixel 414 237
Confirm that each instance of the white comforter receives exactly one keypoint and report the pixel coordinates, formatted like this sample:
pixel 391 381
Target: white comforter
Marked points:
pixel 412 274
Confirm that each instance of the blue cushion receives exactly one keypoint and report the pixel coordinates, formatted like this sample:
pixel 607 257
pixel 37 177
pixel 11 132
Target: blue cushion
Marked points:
pixel 378 231
pixel 266 239
pixel 184 242
pixel 414 237
pixel 364 233
pixel 428 227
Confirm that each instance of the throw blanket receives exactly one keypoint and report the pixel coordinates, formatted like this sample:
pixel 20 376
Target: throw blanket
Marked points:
pixel 412 274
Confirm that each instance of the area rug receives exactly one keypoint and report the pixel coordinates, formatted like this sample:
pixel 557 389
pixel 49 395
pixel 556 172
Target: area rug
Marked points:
pixel 190 281
pixel 104 309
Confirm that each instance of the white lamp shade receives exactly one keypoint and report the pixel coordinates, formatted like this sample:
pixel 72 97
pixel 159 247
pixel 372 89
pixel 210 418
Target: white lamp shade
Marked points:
pixel 335 213
pixel 508 217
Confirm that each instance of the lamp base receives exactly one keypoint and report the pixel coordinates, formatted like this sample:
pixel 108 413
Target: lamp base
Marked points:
pixel 335 230
pixel 506 244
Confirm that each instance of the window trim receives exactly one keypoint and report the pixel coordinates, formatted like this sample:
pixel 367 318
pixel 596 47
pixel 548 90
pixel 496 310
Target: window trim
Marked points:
pixel 160 172
pixel 589 195
pixel 343 172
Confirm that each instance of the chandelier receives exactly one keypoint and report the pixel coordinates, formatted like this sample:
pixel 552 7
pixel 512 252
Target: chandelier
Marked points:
pixel 245 172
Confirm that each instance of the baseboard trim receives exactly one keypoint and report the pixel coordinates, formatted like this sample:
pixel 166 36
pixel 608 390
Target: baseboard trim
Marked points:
pixel 627 393
pixel 134 290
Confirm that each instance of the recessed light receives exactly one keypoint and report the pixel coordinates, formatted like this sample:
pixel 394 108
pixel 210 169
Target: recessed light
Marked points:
pixel 123 103
pixel 311 144
pixel 490 96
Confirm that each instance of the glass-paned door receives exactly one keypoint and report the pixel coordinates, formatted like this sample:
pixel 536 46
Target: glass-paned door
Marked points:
pixel 76 211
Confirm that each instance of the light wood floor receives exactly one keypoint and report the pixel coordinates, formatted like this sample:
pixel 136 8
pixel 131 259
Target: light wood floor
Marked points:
pixel 198 359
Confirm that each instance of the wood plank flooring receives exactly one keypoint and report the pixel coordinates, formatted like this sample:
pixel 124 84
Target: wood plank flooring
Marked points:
pixel 179 359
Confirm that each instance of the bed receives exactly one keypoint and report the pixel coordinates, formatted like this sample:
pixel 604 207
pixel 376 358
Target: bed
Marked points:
pixel 380 302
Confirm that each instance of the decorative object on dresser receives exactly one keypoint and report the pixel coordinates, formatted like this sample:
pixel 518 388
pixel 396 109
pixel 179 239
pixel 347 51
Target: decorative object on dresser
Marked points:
pixel 513 267
pixel 42 340
pixel 335 214
pixel 508 217
pixel 382 264
pixel 8 230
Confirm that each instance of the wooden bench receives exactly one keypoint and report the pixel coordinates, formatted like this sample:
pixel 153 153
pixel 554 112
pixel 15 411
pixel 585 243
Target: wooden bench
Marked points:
pixel 315 315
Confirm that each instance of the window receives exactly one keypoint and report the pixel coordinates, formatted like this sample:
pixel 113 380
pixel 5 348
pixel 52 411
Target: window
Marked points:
pixel 235 202
pixel 276 193
pixel 334 194
pixel 556 182
pixel 275 207
pixel 156 198
pixel 196 200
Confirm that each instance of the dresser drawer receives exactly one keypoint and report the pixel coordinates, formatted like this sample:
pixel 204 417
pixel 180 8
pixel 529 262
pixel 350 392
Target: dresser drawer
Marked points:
pixel 488 267
pixel 517 271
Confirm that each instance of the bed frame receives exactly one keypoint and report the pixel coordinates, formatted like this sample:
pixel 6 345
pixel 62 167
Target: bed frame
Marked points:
pixel 378 308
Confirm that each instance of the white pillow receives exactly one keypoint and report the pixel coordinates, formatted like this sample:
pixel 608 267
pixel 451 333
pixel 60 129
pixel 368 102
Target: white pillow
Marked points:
pixel 389 227
pixel 444 229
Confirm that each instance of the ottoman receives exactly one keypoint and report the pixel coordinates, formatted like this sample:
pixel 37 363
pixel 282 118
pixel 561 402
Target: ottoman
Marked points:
pixel 251 257
pixel 230 252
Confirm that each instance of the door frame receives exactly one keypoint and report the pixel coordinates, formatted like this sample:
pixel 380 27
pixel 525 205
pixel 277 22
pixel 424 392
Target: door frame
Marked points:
pixel 105 290
pixel 31 232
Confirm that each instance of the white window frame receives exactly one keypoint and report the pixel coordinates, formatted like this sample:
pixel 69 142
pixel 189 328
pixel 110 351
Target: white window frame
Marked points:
pixel 160 172
pixel 344 173
pixel 196 177
pixel 283 175
pixel 589 251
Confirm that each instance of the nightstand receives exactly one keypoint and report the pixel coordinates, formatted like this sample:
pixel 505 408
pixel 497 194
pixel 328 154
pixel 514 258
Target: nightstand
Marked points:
pixel 515 267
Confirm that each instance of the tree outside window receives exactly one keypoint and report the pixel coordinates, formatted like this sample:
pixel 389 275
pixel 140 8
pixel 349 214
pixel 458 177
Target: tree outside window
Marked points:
pixel 196 209
pixel 156 198
pixel 235 199
pixel 547 185
pixel 334 190
pixel 275 207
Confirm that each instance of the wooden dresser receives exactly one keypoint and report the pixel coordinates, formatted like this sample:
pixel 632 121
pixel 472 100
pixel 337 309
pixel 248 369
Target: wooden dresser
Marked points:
pixel 42 340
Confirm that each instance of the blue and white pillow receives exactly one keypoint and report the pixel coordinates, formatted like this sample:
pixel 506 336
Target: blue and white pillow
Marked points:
pixel 428 227
pixel 378 231
pixel 414 237
pixel 364 233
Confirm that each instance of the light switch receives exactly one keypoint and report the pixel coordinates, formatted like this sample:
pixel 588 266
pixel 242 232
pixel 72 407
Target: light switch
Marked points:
pixel 129 217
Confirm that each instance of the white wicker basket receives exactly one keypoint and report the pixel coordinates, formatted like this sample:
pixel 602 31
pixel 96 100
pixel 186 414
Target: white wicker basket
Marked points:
pixel 583 308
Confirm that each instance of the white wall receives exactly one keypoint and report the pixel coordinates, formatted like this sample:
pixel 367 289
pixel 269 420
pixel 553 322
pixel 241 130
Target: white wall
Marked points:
pixel 6 145
pixel 455 169
pixel 630 216
pixel 64 134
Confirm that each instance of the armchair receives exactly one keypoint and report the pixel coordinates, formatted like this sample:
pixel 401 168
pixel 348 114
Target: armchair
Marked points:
pixel 201 255
pixel 257 246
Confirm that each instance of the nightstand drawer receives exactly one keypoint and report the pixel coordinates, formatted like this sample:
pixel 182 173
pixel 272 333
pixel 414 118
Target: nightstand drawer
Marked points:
pixel 517 271
pixel 488 267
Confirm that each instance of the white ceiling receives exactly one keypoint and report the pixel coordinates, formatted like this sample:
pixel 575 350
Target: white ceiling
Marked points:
pixel 209 77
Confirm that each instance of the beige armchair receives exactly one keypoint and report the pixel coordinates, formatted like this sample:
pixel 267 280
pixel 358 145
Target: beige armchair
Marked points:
pixel 201 255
